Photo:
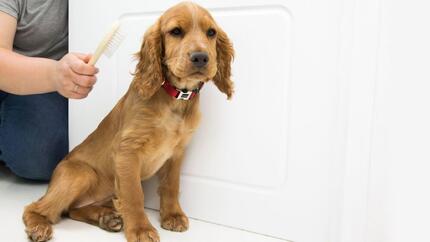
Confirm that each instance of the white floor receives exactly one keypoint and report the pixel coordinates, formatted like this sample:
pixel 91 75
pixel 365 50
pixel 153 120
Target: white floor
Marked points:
pixel 16 193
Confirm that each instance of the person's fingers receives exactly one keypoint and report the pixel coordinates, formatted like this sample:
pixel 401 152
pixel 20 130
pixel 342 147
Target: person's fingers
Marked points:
pixel 81 90
pixel 72 95
pixel 84 81
pixel 77 96
pixel 74 84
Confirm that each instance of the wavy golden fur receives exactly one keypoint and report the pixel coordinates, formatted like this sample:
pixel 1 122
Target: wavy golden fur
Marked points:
pixel 146 133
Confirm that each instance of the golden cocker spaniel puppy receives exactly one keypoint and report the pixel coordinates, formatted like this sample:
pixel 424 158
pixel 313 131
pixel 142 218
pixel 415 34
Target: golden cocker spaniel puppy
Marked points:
pixel 146 133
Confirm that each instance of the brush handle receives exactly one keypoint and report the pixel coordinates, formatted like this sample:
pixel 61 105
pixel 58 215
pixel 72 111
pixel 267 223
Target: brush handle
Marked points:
pixel 95 57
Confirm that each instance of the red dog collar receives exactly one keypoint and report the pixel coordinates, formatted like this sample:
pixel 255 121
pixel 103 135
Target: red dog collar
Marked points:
pixel 181 94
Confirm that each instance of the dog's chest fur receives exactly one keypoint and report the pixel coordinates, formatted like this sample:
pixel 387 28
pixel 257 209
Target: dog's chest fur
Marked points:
pixel 171 131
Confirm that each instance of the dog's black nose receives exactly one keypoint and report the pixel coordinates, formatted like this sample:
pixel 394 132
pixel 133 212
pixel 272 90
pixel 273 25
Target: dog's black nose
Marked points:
pixel 199 59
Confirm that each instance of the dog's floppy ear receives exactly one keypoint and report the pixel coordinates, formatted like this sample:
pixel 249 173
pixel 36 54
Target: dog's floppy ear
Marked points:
pixel 225 55
pixel 148 76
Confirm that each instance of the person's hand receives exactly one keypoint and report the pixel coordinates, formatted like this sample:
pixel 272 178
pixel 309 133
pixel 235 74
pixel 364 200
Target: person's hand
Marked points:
pixel 73 77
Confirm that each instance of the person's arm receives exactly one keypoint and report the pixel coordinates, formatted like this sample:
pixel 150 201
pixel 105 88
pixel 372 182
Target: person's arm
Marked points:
pixel 23 75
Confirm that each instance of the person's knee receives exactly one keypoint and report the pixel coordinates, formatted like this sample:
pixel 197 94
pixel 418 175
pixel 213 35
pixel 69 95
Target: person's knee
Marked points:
pixel 29 170
pixel 39 159
pixel 35 135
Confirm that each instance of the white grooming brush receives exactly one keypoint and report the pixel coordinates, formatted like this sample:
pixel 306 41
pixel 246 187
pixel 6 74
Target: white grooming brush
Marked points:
pixel 109 44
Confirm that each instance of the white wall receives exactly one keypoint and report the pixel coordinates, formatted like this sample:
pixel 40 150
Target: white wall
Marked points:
pixel 399 198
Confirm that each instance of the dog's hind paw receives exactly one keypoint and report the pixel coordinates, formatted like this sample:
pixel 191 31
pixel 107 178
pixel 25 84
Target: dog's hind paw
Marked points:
pixel 111 222
pixel 40 232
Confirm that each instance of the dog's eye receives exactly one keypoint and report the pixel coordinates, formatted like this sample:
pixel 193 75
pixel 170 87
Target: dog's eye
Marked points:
pixel 211 32
pixel 176 31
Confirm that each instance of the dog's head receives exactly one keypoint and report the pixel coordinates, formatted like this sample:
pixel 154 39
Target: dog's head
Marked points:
pixel 186 47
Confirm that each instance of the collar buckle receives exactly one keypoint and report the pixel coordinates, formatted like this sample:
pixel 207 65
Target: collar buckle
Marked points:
pixel 179 94
pixel 184 95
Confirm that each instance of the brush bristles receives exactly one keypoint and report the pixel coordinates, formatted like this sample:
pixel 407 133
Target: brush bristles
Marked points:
pixel 114 43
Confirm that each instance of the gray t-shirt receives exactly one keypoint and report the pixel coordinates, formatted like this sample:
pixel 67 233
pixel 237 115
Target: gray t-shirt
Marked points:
pixel 42 27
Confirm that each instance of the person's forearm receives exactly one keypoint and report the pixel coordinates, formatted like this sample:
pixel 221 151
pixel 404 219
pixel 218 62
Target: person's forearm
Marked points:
pixel 24 75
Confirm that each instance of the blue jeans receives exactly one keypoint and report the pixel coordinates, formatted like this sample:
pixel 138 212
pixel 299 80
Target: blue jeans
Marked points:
pixel 33 133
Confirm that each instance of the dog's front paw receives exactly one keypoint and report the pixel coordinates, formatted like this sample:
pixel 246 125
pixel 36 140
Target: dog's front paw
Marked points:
pixel 40 232
pixel 142 234
pixel 177 222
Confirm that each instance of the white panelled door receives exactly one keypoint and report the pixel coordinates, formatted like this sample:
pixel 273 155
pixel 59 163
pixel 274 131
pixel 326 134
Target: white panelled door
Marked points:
pixel 263 161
